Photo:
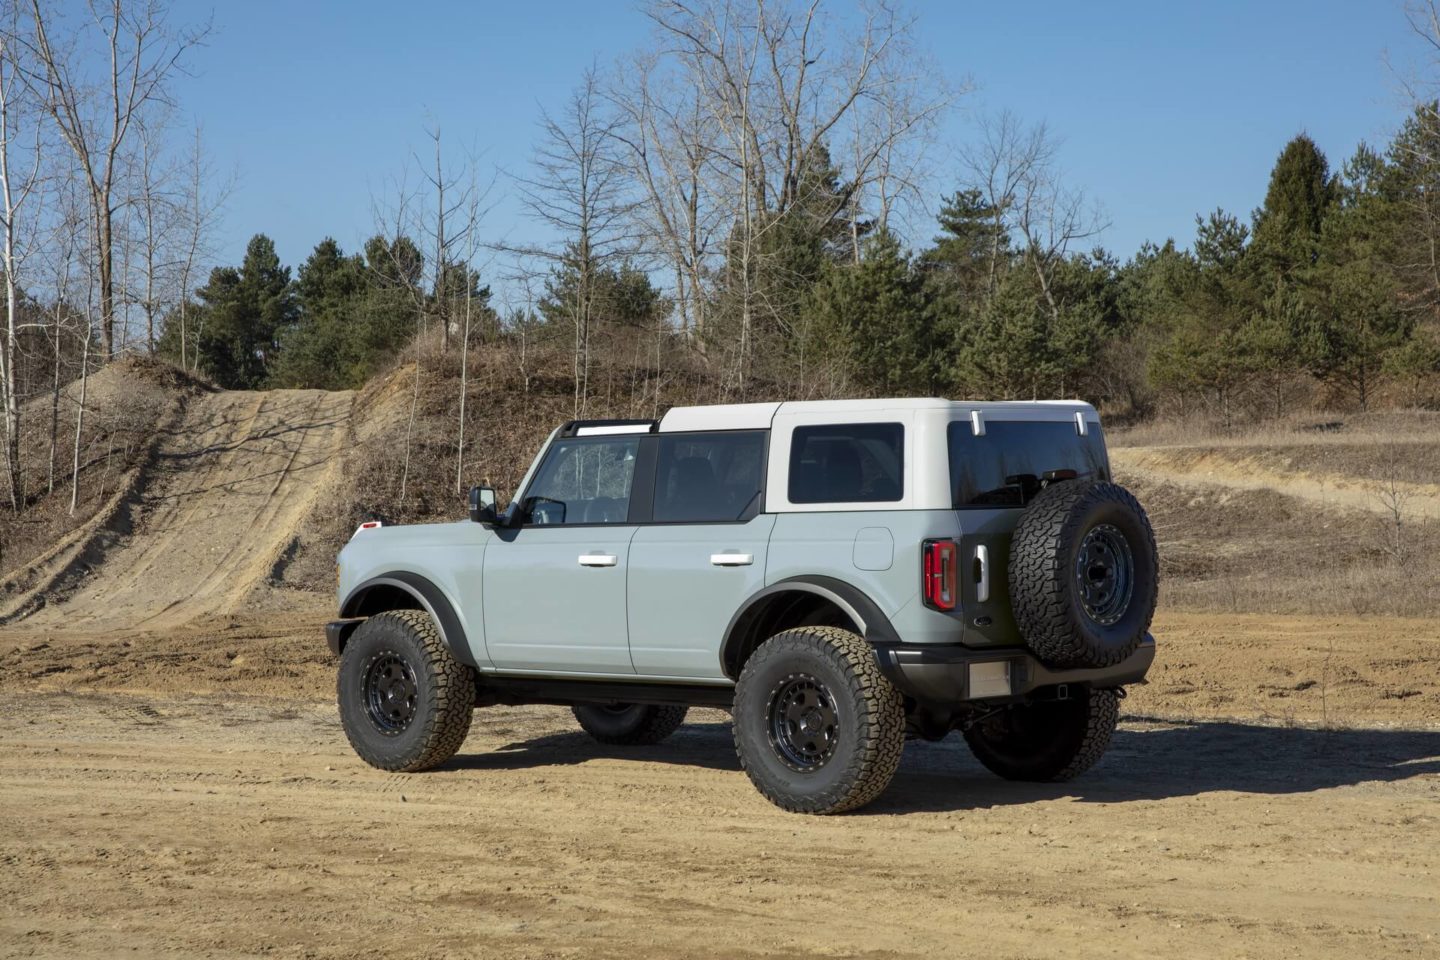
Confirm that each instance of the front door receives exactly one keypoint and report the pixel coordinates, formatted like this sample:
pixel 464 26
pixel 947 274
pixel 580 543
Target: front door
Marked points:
pixel 701 553
pixel 554 588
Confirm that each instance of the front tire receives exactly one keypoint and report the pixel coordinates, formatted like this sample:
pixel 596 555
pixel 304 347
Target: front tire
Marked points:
pixel 818 728
pixel 405 701
pixel 1048 741
pixel 629 724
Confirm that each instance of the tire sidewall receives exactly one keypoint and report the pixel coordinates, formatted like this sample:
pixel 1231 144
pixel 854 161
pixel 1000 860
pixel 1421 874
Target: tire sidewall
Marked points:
pixel 373 639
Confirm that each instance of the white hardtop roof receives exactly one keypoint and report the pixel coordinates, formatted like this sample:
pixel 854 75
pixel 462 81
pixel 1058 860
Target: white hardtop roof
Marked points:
pixel 758 416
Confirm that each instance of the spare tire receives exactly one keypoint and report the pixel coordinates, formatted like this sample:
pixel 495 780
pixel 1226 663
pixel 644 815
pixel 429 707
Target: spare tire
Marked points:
pixel 1083 574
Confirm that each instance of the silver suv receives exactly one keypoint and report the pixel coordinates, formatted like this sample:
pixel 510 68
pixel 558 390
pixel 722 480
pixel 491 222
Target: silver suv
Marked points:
pixel 840 575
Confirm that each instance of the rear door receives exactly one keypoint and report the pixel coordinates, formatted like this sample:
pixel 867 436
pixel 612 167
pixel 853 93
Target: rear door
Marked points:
pixel 554 588
pixel 699 553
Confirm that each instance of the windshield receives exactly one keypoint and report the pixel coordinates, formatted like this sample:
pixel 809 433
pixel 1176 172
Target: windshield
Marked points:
pixel 1008 464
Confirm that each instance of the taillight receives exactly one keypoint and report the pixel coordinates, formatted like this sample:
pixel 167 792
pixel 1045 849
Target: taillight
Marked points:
pixel 938 565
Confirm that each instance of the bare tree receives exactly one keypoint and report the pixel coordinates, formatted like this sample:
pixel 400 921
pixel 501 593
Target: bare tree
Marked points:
pixel 453 193
pixel 582 192
pixel 197 213
pixel 16 188
pixel 96 115
pixel 782 95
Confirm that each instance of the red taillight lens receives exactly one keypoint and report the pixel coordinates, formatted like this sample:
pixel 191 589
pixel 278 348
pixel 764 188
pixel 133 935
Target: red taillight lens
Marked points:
pixel 938 565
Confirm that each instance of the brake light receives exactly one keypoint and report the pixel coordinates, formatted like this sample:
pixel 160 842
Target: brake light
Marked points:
pixel 938 566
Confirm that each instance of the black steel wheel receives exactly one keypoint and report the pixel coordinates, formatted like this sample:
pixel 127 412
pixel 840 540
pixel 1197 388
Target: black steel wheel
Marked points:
pixel 1105 574
pixel 405 701
pixel 804 722
pixel 391 692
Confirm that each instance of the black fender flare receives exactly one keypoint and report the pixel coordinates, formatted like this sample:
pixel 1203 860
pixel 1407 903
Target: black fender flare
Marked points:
pixel 427 596
pixel 856 604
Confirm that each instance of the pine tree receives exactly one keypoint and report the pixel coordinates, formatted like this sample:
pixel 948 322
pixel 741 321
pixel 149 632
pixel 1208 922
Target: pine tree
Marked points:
pixel 245 312
pixel 1289 223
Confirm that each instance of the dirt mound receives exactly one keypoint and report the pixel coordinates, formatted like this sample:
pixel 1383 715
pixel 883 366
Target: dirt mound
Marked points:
pixel 224 490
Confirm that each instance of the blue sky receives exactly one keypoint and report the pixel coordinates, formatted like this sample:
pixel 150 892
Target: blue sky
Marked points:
pixel 1165 109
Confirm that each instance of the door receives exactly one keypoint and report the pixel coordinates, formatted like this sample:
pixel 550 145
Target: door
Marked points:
pixel 701 552
pixel 554 588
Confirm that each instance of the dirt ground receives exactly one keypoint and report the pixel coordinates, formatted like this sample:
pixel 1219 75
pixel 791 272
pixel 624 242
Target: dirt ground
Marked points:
pixel 189 792
pixel 175 782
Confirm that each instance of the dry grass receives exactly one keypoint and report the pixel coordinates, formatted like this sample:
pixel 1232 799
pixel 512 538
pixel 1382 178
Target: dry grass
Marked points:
pixel 1261 551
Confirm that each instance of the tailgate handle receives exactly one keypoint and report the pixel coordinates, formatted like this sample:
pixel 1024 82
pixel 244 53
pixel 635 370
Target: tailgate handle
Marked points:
pixel 732 559
pixel 982 573
pixel 597 559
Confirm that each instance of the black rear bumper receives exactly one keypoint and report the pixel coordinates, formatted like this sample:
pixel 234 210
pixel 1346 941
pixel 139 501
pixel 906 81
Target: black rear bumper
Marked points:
pixel 941 674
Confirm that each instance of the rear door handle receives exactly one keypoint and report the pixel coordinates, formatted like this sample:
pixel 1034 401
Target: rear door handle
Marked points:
pixel 732 559
pixel 597 559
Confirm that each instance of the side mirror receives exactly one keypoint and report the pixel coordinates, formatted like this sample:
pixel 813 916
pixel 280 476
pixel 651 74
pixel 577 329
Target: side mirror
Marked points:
pixel 482 504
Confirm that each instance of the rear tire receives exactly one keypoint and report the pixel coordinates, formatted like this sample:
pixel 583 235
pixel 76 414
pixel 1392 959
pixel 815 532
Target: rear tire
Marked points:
pixel 1048 741
pixel 818 728
pixel 405 701
pixel 629 724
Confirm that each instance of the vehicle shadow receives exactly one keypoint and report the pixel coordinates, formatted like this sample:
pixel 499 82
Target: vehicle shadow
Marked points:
pixel 1149 759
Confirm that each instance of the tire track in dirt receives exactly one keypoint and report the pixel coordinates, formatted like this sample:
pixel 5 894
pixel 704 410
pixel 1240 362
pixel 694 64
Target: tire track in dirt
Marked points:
pixel 1237 472
pixel 229 487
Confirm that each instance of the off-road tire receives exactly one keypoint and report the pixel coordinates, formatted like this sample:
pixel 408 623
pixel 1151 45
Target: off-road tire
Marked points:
pixel 1047 741
pixel 869 724
pixel 629 724
pixel 444 696
pixel 1045 594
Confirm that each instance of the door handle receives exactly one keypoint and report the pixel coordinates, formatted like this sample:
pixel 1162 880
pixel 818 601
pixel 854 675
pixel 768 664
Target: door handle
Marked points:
pixel 597 559
pixel 732 559
pixel 982 573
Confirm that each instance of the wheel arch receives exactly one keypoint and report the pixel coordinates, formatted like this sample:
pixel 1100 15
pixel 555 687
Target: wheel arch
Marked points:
pixel 800 601
pixel 401 590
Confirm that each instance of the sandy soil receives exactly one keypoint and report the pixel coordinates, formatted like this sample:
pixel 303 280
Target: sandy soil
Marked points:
pixel 224 494
pixel 1235 470
pixel 189 792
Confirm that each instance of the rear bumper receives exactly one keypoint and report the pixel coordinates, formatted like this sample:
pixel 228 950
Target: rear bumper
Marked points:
pixel 942 674
pixel 338 631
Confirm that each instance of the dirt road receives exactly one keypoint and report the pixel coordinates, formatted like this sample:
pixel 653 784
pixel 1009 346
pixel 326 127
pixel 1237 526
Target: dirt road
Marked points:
pixel 221 501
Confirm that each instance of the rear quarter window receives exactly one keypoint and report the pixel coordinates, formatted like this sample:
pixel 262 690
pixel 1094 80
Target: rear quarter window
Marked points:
pixel 847 463
pixel 1004 466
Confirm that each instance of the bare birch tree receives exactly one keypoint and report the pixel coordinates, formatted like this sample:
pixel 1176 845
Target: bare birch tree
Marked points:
pixel 16 188
pixel 95 115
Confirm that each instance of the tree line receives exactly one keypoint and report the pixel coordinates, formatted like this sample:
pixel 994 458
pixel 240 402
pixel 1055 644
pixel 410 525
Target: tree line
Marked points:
pixel 760 195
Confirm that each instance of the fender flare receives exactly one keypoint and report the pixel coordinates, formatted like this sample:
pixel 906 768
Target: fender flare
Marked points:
pixel 857 605
pixel 429 597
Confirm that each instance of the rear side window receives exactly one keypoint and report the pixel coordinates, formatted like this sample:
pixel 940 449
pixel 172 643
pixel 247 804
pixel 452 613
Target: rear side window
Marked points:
pixel 1006 466
pixel 847 463
pixel 708 477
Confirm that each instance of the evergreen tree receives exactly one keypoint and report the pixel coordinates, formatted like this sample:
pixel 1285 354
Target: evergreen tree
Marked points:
pixel 243 313
pixel 1289 223
pixel 873 319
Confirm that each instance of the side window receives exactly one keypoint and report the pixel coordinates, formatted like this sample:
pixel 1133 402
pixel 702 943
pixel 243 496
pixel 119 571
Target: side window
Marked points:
pixel 708 477
pixel 847 463
pixel 585 480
